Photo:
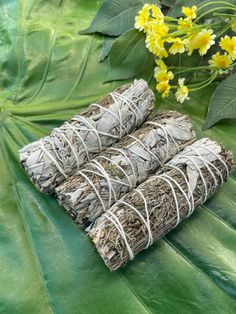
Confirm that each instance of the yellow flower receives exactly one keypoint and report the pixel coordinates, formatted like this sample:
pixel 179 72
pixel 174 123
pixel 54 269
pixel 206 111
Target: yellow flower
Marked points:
pixel 184 24
pixel 157 14
pixel 220 61
pixel 143 18
pixel 163 75
pixel 182 91
pixel 160 29
pixel 155 44
pixel 163 88
pixel 190 13
pixel 229 44
pixel 201 41
pixel 160 65
pixel 148 15
pixel 233 25
pixel 178 45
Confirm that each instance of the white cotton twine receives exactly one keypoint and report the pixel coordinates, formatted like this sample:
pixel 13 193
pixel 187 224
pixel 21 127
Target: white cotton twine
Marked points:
pixel 178 159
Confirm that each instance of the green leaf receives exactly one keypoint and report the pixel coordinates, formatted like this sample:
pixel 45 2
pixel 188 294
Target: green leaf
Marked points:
pixel 223 102
pixel 168 3
pixel 115 17
pixel 129 57
pixel 48 265
pixel 106 47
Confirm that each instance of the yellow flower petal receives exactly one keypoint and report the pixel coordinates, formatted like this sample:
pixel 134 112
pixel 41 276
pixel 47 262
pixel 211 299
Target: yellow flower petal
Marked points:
pixel 190 13
pixel 201 41
pixel 155 44
pixel 220 61
pixel 163 75
pixel 163 88
pixel 184 24
pixel 148 15
pixel 229 45
pixel 160 64
pixel 160 29
pixel 182 91
pixel 178 46
pixel 157 14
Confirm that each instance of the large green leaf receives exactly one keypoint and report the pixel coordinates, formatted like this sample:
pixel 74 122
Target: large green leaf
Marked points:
pixel 106 47
pixel 48 265
pixel 223 102
pixel 129 57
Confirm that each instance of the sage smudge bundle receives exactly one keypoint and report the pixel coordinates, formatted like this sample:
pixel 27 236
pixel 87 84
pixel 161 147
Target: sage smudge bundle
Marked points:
pixel 52 159
pixel 159 204
pixel 116 171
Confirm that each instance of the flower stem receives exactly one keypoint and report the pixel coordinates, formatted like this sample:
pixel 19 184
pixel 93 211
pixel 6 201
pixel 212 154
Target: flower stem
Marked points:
pixel 215 2
pixel 224 15
pixel 205 83
pixel 215 9
pixel 224 29
pixel 205 67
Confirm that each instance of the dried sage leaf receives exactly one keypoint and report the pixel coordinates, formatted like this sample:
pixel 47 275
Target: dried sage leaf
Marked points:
pixel 119 169
pixel 54 158
pixel 160 203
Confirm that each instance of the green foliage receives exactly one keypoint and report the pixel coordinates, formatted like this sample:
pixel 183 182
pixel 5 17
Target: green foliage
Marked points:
pixel 106 47
pixel 116 17
pixel 223 102
pixel 129 57
pixel 48 265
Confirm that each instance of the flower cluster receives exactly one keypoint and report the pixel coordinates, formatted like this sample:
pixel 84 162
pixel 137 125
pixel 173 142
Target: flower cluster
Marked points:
pixel 169 36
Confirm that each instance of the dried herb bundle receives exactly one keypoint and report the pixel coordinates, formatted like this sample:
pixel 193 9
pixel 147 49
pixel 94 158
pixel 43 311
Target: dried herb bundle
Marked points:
pixel 160 203
pixel 113 173
pixel 52 159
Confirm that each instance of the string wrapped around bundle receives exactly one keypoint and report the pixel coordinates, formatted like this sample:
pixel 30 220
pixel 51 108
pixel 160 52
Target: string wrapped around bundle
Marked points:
pixel 116 171
pixel 52 159
pixel 159 204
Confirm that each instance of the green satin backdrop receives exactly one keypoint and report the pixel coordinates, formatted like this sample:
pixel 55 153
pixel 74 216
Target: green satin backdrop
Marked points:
pixel 47 265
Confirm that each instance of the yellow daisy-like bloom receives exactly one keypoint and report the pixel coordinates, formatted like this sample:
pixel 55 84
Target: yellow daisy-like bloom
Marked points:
pixel 155 44
pixel 178 46
pixel 160 29
pixel 143 18
pixel 148 15
pixel 163 75
pixel 229 44
pixel 184 24
pixel 182 91
pixel 163 88
pixel 160 65
pixel 201 41
pixel 220 61
pixel 190 13
pixel 157 14
pixel 233 25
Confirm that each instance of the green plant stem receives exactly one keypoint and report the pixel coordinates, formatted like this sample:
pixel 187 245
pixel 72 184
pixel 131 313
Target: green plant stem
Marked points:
pixel 215 9
pixel 223 30
pixel 169 18
pixel 225 15
pixel 183 32
pixel 205 83
pixel 215 2
pixel 206 67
